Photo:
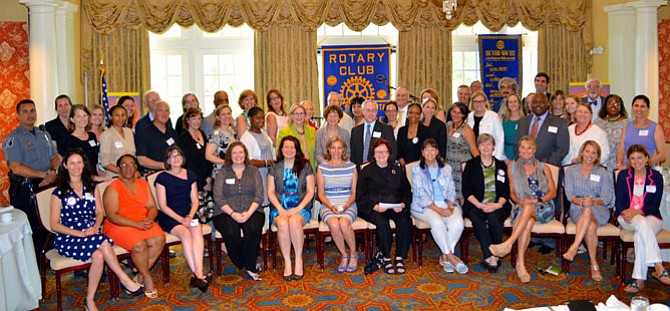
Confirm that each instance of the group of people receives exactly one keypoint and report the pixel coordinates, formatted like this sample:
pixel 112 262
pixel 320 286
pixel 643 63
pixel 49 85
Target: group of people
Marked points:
pixel 225 171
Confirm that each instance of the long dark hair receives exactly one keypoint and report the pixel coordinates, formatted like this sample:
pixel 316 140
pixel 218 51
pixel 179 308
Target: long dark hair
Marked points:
pixel 131 119
pixel 430 142
pixel 63 179
pixel 300 161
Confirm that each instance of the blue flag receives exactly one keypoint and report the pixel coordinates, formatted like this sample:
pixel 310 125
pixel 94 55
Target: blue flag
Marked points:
pixel 104 102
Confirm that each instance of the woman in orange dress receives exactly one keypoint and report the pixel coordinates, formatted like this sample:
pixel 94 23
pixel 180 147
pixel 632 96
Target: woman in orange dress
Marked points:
pixel 131 210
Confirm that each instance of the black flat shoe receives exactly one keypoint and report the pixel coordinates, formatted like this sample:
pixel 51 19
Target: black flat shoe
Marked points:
pixel 137 292
pixel 297 277
pixel 489 267
pixel 288 278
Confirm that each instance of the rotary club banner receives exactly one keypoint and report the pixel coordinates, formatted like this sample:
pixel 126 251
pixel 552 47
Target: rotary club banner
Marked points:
pixel 500 56
pixel 357 70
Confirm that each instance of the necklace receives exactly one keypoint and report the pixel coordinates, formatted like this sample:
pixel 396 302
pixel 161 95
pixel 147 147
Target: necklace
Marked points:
pixel 610 119
pixel 582 132
pixel 454 127
pixel 487 166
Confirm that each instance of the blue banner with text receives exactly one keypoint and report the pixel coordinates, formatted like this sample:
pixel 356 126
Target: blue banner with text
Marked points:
pixel 500 57
pixel 357 70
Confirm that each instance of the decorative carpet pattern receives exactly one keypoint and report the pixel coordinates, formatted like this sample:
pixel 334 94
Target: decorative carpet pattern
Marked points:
pixel 425 288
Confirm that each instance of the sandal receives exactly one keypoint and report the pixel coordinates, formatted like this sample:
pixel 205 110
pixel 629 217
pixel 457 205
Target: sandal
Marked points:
pixel 353 264
pixel 633 288
pixel 400 266
pixel 388 267
pixel 595 273
pixel 343 266
pixel 254 276
pixel 570 254
pixel 663 277
pixel 151 294
pixel 523 275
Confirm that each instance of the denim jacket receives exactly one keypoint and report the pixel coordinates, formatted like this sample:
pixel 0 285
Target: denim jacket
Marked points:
pixel 422 187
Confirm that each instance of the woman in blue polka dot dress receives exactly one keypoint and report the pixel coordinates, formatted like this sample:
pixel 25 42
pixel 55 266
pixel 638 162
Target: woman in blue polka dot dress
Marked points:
pixel 76 217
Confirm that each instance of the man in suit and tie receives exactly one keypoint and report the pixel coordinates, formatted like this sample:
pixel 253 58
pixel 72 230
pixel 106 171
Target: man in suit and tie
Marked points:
pixel 363 135
pixel 550 132
pixel 402 97
pixel 593 87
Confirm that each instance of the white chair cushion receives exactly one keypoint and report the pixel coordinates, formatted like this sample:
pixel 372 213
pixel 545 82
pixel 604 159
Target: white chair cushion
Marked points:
pixel 59 262
pixel 661 237
pixel 312 224
pixel 420 224
pixel 467 222
pixel 170 238
pixel 602 231
pixel 553 226
pixel 359 224
pixel 508 223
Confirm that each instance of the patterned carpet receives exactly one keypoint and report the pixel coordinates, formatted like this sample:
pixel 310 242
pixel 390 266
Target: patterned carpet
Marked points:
pixel 426 288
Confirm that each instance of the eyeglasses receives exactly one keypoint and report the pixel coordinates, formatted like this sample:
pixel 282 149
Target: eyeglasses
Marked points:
pixel 482 101
pixel 275 97
pixel 297 114
pixel 128 165
pixel 381 151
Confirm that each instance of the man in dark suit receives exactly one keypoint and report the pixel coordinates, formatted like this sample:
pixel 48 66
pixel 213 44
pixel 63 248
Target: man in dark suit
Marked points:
pixel 593 87
pixel 551 133
pixel 363 135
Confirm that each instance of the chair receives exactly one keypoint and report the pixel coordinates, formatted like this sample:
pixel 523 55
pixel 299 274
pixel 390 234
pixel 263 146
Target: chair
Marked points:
pixel 360 226
pixel 310 228
pixel 58 263
pixel 422 229
pixel 627 241
pixel 607 233
pixel 172 240
pixel 264 243
pixel 554 228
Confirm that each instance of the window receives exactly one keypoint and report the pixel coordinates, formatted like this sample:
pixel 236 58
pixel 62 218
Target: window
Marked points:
pixel 190 60
pixel 465 55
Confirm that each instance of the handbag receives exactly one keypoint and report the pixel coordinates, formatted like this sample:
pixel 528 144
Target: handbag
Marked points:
pixel 205 206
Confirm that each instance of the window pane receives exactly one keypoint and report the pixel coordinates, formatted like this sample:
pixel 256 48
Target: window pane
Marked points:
pixel 174 65
pixel 210 64
pixel 457 60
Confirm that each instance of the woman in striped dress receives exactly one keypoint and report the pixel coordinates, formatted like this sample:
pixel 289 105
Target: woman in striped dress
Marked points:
pixel 336 183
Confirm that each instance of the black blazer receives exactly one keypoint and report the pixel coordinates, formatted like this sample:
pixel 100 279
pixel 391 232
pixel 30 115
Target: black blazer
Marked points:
pixel 407 149
pixel 356 142
pixel 382 185
pixel 438 131
pixel 474 184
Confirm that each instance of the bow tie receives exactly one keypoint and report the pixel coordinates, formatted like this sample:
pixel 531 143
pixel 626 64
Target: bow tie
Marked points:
pixel 593 103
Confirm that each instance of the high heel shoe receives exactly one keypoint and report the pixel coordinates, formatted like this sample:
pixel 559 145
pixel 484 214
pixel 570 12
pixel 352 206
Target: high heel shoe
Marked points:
pixel 353 264
pixel 254 276
pixel 595 273
pixel 500 250
pixel 345 262
pixel 570 254
pixel 137 292
pixel 523 275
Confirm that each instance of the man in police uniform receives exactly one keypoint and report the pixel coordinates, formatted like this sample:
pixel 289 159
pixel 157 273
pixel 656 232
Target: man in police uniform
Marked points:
pixel 33 161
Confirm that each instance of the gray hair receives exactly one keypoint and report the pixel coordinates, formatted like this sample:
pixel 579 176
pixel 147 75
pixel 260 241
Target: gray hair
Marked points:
pixel 508 80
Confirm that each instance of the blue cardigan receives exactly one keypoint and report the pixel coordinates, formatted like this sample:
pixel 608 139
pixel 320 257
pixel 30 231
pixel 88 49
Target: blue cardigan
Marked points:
pixel 624 191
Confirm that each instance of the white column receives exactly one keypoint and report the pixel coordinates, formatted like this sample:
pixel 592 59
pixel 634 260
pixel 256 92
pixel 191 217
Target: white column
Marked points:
pixel 646 51
pixel 633 50
pixel 42 54
pixel 621 27
pixel 65 48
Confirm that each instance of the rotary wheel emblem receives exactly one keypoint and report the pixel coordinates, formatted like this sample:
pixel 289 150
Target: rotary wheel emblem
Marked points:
pixel 357 86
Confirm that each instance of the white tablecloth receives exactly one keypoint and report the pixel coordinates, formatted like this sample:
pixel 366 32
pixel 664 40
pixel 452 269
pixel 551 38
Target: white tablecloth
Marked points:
pixel 19 275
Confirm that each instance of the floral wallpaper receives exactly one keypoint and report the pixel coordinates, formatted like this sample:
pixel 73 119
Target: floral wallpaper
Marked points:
pixel 664 76
pixel 14 86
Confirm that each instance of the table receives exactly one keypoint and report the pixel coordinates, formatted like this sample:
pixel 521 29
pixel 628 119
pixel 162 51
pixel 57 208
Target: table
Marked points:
pixel 21 288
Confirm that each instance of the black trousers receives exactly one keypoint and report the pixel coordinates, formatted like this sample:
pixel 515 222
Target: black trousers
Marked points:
pixel 488 227
pixel 21 197
pixel 403 225
pixel 243 252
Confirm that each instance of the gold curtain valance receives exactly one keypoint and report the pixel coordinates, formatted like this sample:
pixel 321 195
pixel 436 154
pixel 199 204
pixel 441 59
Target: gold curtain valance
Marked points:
pixel 211 15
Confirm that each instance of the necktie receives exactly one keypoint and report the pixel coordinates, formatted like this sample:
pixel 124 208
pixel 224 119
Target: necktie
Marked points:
pixel 535 127
pixel 366 142
pixel 400 117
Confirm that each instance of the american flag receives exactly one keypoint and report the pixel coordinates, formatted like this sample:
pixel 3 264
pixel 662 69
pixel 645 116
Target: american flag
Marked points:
pixel 104 102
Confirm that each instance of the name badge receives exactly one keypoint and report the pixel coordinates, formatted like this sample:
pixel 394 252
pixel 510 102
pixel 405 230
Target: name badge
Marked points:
pixel 89 197
pixel 230 181
pixel 376 134
pixel 500 178
pixel 198 145
pixel 118 144
pixel 651 189
pixel 552 129
pixel 643 133
pixel 456 135
pixel 415 140
pixel 92 142
pixel 595 178
pixel 170 141
pixel 516 127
